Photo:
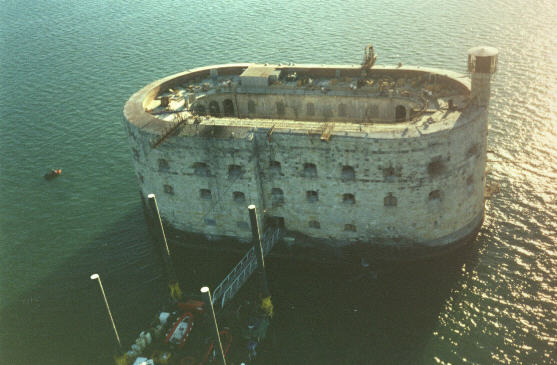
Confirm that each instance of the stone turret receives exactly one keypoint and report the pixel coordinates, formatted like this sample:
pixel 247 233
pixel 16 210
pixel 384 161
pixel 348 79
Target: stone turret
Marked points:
pixel 482 63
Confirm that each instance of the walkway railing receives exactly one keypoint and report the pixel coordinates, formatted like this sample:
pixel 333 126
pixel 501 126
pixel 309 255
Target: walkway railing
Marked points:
pixel 240 274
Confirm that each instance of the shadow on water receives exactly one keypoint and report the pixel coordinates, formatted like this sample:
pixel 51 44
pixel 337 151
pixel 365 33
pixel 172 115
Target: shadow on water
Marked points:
pixel 62 320
pixel 380 315
pixel 324 314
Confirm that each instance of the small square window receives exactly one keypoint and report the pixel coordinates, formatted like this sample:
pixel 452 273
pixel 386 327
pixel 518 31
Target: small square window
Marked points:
pixel 201 169
pixel 210 222
pixel 349 228
pixel 348 199
pixel 169 189
pixel 314 224
pixel 435 196
pixel 239 197
pixel 312 196
pixel 348 173
pixel 205 194
pixel 310 170
pixel 390 200
pixel 235 171
pixel 275 168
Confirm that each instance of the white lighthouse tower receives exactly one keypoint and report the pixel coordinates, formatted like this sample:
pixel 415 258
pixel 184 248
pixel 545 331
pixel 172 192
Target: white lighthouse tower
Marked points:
pixel 482 63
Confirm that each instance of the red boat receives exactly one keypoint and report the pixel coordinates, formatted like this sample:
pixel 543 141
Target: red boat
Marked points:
pixel 180 330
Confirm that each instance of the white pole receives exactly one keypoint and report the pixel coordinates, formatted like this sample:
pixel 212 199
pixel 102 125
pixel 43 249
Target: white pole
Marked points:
pixel 97 277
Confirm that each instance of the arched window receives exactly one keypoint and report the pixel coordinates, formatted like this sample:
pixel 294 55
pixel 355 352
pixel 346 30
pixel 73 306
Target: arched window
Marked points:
pixel 281 110
pixel 198 109
pixel 238 197
pixel 314 224
pixel 310 170
pixel 435 167
pixel 214 109
pixel 435 196
pixel 400 113
pixel 341 110
pixel 228 107
pixel 348 173
pixel 251 107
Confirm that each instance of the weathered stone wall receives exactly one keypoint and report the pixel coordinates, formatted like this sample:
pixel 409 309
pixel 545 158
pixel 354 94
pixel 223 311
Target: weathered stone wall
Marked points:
pixel 403 190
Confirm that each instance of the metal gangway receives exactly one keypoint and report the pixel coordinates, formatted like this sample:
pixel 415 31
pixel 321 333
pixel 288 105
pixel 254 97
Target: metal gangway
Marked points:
pixel 240 274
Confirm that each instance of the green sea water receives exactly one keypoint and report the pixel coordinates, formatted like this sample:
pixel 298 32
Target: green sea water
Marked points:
pixel 67 68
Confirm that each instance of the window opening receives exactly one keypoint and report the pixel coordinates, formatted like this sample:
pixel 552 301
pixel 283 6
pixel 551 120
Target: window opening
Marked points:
pixel 251 107
pixel 310 170
pixel 314 224
pixel 349 228
pixel 205 194
pixel 228 107
pixel 234 171
pixel 239 197
pixel 310 109
pixel 348 173
pixel 390 200
pixel 214 109
pixel 400 113
pixel 281 110
pixel 169 189
pixel 312 196
pixel 348 199
pixel 201 169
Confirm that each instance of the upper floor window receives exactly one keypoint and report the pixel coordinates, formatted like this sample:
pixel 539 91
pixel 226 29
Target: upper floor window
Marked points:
pixel 235 171
pixel 251 106
pixel 201 169
pixel 348 199
pixel 310 109
pixel 239 197
pixel 312 196
pixel 310 170
pixel 205 194
pixel 348 173
pixel 281 110
pixel 435 196
pixel 341 110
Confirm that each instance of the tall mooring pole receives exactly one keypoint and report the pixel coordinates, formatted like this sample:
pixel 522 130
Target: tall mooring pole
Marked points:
pixel 175 291
pixel 266 303
pixel 209 304
pixel 98 278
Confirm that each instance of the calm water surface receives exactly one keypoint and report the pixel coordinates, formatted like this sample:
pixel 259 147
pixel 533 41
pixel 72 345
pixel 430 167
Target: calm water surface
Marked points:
pixel 67 67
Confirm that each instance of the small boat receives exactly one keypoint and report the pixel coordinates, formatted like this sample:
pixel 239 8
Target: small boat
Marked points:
pixel 180 330
pixel 52 174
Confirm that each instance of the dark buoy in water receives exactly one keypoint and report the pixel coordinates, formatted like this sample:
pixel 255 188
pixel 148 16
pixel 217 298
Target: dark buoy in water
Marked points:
pixel 52 174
